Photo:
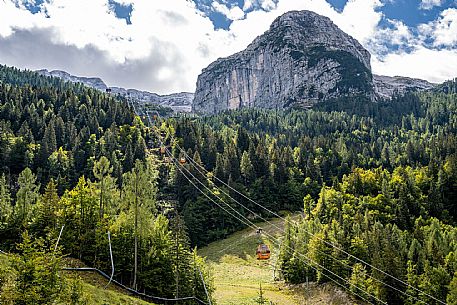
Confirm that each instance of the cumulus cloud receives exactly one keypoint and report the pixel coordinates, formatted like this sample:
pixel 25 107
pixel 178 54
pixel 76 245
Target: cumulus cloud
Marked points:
pixel 169 41
pixel 266 5
pixel 429 4
pixel 432 65
pixel 443 31
pixel 248 4
pixel 156 50
pixel 233 13
pixel 396 36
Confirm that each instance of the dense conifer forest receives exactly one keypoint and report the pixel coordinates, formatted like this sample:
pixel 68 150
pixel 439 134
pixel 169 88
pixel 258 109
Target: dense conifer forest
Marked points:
pixel 76 157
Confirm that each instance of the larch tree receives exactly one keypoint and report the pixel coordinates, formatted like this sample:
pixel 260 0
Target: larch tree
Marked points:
pixel 27 195
pixel 101 171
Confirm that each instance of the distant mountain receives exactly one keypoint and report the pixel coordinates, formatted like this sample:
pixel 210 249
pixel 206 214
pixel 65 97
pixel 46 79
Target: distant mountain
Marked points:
pixel 179 102
pixel 386 86
pixel 93 82
pixel 303 59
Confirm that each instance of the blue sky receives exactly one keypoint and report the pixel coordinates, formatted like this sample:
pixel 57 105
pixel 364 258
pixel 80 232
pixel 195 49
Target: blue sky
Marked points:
pixel 162 45
pixel 408 11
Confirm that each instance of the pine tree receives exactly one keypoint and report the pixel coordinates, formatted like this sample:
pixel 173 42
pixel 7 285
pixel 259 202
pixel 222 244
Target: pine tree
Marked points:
pixel 247 170
pixel 48 208
pixel 308 206
pixel 452 295
pixel 38 280
pixel 261 299
pixel 5 202
pixel 182 259
pixel 48 143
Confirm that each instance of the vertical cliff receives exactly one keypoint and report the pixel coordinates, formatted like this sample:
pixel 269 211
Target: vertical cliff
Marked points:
pixel 303 58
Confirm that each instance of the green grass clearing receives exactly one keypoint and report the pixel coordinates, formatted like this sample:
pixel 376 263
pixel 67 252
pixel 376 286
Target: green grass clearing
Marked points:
pixel 238 274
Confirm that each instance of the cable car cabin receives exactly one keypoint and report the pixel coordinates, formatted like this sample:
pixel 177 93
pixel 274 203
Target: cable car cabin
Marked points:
pixel 154 116
pixel 263 252
pixel 162 150
pixel 182 160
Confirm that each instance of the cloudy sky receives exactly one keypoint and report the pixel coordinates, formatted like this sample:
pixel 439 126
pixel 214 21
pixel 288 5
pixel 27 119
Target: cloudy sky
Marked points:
pixel 162 45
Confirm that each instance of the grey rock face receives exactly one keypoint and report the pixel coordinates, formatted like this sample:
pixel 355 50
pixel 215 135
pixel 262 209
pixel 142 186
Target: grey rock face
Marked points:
pixel 179 102
pixel 386 86
pixel 301 59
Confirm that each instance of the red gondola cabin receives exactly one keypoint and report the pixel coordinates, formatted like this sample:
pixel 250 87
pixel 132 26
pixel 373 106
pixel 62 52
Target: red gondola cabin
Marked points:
pixel 263 252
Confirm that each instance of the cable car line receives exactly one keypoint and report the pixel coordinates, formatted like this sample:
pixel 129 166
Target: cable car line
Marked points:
pixel 250 224
pixel 343 263
pixel 135 292
pixel 110 279
pixel 196 164
pixel 273 238
pixel 237 212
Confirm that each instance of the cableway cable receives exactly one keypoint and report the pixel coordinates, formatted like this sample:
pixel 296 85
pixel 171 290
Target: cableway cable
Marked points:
pixel 198 166
pixel 250 224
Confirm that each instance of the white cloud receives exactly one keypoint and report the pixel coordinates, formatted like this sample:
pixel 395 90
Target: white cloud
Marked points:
pixel 397 36
pixel 267 5
pixel 233 13
pixel 432 65
pixel 442 31
pixel 429 4
pixel 248 4
pixel 169 41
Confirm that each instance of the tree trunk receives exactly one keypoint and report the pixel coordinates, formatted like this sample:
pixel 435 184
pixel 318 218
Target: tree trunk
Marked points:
pixel 136 232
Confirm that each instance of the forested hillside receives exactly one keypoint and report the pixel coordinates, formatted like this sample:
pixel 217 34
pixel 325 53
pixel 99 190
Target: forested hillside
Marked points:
pixel 377 183
pixel 76 158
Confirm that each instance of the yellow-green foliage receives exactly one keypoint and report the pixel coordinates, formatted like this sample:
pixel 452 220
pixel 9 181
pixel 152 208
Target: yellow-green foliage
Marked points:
pixel 75 290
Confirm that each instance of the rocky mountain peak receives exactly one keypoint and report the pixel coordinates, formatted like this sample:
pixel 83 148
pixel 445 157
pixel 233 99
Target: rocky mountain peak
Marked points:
pixel 302 59
pixel 302 28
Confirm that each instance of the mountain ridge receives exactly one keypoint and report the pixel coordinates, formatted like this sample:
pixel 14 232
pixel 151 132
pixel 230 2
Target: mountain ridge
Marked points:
pixel 179 102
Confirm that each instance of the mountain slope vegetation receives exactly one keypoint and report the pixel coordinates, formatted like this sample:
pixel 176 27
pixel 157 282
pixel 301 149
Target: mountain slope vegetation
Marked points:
pixel 75 159
pixel 376 182
pixel 376 185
